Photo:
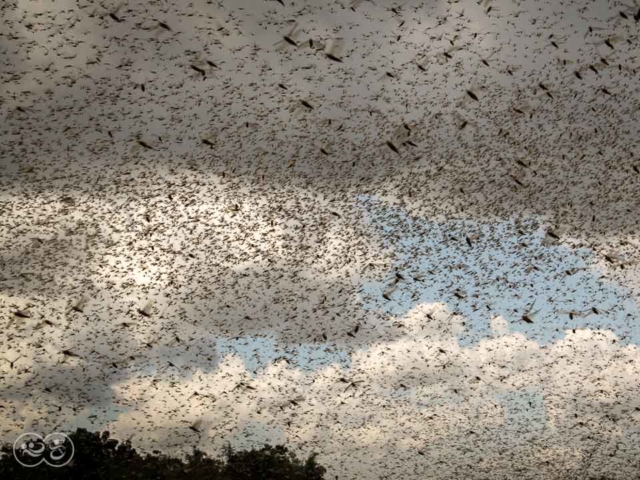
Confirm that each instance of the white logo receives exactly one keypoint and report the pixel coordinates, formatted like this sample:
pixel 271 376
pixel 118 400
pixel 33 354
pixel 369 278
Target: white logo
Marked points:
pixel 30 449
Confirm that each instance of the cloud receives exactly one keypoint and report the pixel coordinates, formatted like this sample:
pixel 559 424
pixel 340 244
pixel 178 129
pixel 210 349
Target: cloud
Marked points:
pixel 266 250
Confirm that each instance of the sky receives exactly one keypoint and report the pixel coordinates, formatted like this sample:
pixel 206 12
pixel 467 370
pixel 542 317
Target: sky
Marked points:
pixel 419 261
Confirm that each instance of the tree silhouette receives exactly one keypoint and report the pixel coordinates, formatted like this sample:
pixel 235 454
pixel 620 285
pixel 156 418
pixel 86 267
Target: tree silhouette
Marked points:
pixel 99 457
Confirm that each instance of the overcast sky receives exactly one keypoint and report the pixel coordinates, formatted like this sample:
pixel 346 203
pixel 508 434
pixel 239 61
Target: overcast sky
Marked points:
pixel 418 261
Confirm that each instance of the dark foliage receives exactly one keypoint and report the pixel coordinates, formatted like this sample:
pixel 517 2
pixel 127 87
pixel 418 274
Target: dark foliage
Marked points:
pixel 264 463
pixel 99 457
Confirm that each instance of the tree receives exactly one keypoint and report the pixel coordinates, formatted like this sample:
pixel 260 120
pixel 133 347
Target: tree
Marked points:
pixel 99 457
pixel 264 463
